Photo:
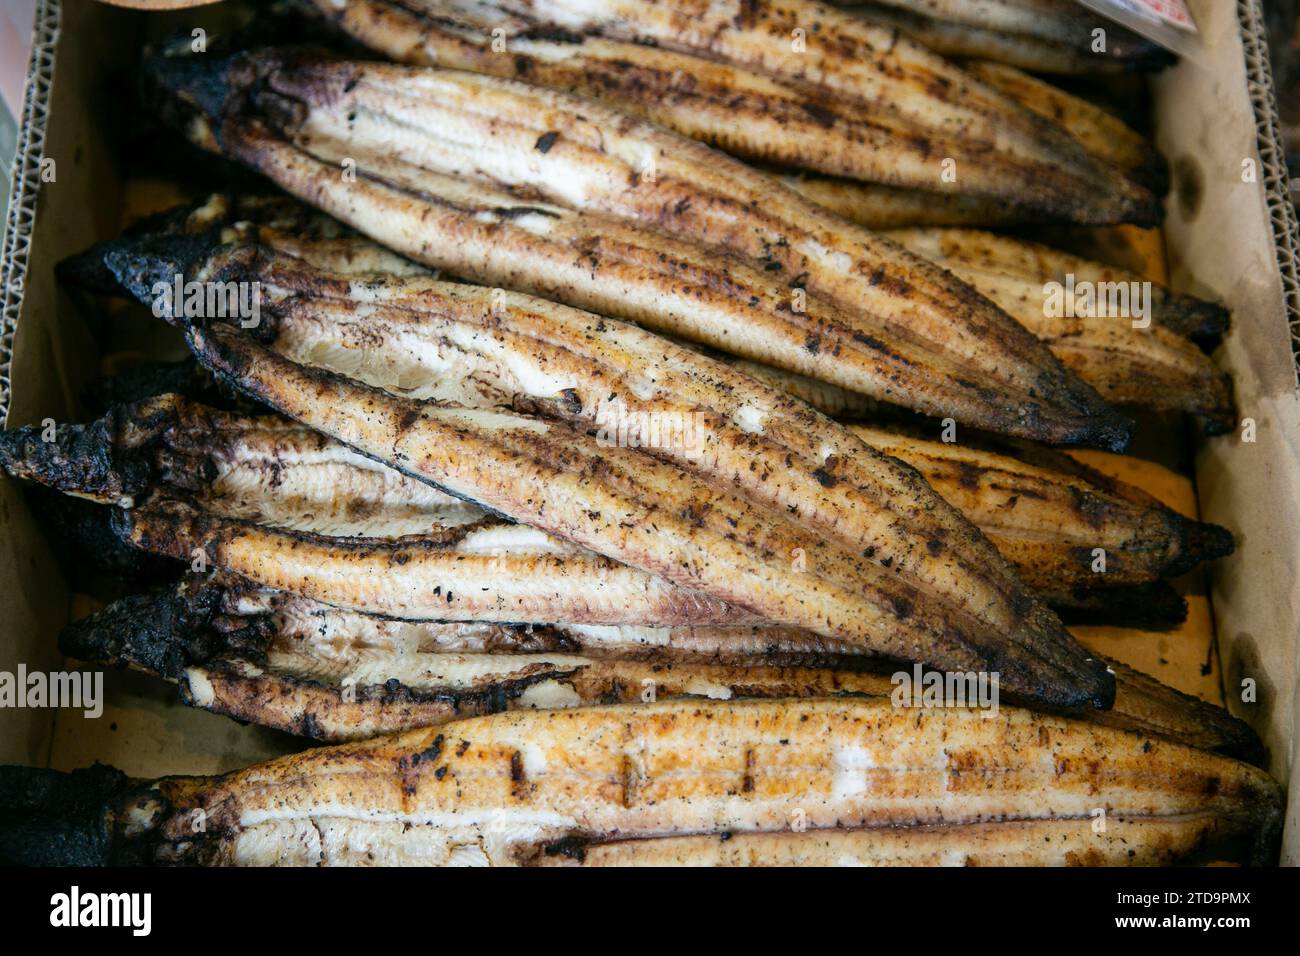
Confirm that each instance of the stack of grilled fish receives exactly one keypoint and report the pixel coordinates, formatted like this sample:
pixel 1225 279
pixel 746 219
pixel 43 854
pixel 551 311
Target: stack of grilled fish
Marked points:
pixel 584 525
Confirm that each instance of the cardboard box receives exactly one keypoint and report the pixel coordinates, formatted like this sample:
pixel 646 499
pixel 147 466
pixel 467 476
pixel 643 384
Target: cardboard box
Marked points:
pixel 1231 236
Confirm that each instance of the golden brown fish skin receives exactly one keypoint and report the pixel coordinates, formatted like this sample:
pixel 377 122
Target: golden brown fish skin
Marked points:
pixel 752 115
pixel 1101 133
pixel 1047 521
pixel 288 662
pixel 1150 366
pixel 776 235
pixel 990 252
pixel 568 484
pixel 877 206
pixel 505 784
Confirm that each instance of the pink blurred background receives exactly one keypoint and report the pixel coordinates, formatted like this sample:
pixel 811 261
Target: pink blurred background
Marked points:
pixel 15 39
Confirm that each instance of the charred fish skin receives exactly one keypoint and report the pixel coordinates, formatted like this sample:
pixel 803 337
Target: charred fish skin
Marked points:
pixel 496 788
pixel 49 818
pixel 108 461
pixel 273 220
pixel 1154 606
pixel 790 234
pixel 308 668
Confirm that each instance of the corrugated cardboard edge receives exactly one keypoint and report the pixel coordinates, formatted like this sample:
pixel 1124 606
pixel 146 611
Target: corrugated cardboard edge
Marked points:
pixel 1286 609
pixel 1268 127
pixel 25 185
pixel 1286 233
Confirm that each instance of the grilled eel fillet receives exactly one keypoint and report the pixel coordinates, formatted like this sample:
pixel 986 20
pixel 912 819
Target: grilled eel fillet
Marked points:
pixel 1042 36
pixel 520 786
pixel 988 252
pixel 629 220
pixel 776 117
pixel 1047 515
pixel 841 56
pixel 1153 366
pixel 880 206
pixel 1100 132
pixel 297 665
pixel 782 474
